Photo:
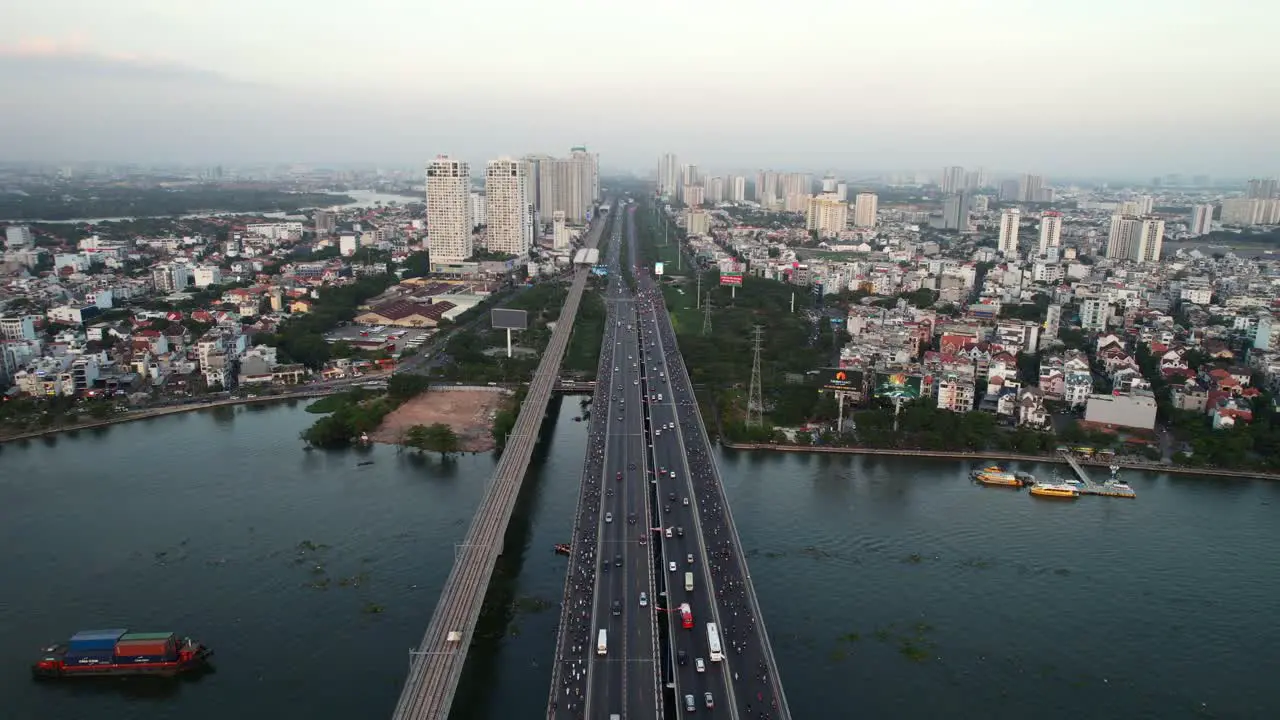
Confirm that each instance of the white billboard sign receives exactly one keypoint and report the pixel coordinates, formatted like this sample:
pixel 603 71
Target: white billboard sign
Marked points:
pixel 657 268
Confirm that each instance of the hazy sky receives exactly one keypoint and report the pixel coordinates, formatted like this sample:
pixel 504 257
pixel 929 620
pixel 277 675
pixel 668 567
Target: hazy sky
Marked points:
pixel 1115 87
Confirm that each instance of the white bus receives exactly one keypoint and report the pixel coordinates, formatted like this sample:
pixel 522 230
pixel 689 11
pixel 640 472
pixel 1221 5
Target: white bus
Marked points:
pixel 713 642
pixel 602 643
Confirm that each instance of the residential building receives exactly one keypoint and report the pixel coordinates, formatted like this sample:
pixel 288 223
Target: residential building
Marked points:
pixel 570 184
pixel 827 215
pixel 952 180
pixel 1263 189
pixel 171 277
pixel 17 327
pixel 1135 238
pixel 697 222
pixel 714 190
pixel 668 175
pixel 842 192
pixel 1052 322
pixel 449 223
pixel 955 212
pixel 326 221
pixel 1094 313
pixel 1050 231
pixel 1009 220
pixel 737 189
pixel 510 221
pixel 17 237
pixel 348 244
pixel 956 393
pixel 693 195
pixel 1201 220
pixel 203 276
pixel 559 231
pixel 689 175
pixel 864 209
pixel 479 209
pixel 1031 189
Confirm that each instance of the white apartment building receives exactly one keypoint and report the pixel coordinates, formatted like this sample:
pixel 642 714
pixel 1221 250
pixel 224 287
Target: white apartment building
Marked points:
pixel 715 190
pixel 206 275
pixel 952 180
pixel 570 184
pixel 348 244
pixel 864 209
pixel 1251 211
pixel 827 214
pixel 479 209
pixel 17 237
pixel 449 222
pixel 1050 231
pixel 1052 322
pixel 1009 220
pixel 1135 238
pixel 737 189
pixel 1094 313
pixel 842 192
pixel 697 222
pixel 1201 220
pixel 285 230
pixel 693 195
pixel 510 224
pixel 956 393
pixel 668 175
pixel 559 231
pixel 18 327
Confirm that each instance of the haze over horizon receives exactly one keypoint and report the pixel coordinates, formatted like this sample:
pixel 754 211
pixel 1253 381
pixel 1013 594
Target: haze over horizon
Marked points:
pixel 1090 89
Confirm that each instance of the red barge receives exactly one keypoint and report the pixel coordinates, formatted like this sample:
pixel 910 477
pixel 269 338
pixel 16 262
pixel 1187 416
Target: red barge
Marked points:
pixel 118 652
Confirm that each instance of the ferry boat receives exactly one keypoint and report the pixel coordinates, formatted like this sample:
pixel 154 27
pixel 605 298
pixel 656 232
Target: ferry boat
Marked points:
pixel 996 475
pixel 563 549
pixel 117 653
pixel 1055 490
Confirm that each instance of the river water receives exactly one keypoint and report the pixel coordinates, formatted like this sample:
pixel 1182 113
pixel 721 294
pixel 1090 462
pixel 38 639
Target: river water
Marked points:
pixel 891 587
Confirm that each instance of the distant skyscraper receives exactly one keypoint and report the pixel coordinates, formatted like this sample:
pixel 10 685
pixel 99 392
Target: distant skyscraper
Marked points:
pixel 952 180
pixel 1201 221
pixel 738 189
pixel 766 187
pixel 325 222
pixel 794 184
pixel 827 215
pixel 715 190
pixel 864 209
pixel 1050 231
pixel 1009 191
pixel 955 212
pixel 1031 189
pixel 1152 240
pixel 479 216
pixel 510 225
pixel 975 179
pixel 1009 220
pixel 693 195
pixel 668 175
pixel 829 184
pixel 449 210
pixel 1262 188
pixel 842 192
pixel 689 175
pixel 570 184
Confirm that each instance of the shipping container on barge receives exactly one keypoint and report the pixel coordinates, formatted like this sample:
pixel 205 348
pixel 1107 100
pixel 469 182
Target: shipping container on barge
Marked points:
pixel 103 653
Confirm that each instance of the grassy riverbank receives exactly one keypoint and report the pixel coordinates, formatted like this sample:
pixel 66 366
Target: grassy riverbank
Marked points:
pixel 143 414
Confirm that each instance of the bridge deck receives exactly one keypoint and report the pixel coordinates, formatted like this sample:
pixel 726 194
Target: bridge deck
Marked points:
pixel 437 665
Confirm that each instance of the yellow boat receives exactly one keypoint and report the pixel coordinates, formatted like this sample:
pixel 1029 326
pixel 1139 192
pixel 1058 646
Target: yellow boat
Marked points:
pixel 1055 490
pixel 995 475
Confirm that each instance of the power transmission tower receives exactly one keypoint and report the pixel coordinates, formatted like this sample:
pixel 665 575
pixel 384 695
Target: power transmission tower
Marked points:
pixel 699 289
pixel 755 406
pixel 706 316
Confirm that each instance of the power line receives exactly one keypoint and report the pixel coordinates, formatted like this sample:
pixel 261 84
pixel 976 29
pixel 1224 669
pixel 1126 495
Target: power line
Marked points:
pixel 706 315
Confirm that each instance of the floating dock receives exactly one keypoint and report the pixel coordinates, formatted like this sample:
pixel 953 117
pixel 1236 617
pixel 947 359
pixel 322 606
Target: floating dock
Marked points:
pixel 1087 486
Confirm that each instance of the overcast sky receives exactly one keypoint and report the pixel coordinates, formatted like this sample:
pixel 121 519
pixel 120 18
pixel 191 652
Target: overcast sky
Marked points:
pixel 1089 87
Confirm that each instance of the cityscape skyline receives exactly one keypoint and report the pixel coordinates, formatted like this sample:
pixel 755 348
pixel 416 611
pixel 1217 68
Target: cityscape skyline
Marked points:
pixel 209 87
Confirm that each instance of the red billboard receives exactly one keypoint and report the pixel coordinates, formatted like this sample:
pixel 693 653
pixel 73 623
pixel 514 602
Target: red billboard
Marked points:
pixel 731 278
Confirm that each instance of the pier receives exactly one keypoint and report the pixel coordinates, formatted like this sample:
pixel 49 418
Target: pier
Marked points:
pixel 1089 487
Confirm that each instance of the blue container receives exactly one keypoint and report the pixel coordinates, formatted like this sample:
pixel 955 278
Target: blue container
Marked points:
pixel 131 659
pixel 95 639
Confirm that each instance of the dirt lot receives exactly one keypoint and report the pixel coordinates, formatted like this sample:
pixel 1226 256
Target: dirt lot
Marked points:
pixel 466 411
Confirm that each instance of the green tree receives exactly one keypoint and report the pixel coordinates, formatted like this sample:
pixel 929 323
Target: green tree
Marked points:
pixel 436 437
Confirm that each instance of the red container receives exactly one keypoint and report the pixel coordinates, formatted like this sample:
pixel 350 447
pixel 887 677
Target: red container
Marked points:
pixel 127 648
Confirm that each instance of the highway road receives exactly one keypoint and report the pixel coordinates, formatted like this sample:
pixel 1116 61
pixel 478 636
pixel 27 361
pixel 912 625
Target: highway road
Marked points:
pixel 704 541
pixel 438 662
pixel 611 564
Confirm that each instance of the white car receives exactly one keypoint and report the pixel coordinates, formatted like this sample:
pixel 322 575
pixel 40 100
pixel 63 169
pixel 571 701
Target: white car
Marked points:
pixel 699 665
pixel 608 517
pixel 658 431
pixel 672 566
pixel 644 601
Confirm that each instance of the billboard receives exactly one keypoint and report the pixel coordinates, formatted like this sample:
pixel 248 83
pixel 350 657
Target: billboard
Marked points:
pixel 897 386
pixel 838 380
pixel 731 278
pixel 657 268
pixel 506 319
